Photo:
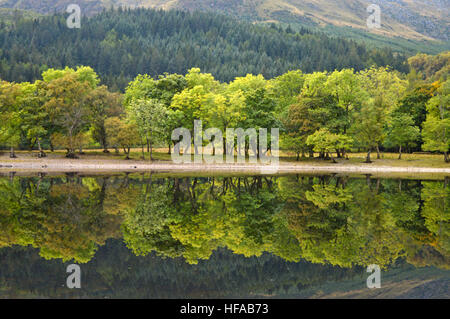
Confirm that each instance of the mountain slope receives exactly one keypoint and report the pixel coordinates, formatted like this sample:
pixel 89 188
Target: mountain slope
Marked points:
pixel 409 25
pixel 411 19
pixel 121 44
pixel 399 18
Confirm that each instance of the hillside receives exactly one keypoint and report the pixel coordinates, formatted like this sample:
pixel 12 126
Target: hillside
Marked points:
pixel 7 16
pixel 122 44
pixel 411 22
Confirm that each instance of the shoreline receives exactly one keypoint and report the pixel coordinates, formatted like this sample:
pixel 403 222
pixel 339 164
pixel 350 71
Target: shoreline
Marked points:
pixel 80 165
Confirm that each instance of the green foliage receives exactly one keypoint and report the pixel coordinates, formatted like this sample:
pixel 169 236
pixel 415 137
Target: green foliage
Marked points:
pixel 402 132
pixel 374 107
pixel 436 131
pixel 150 117
pixel 68 103
pixel 10 114
pixel 368 125
pixel 324 141
pixel 104 105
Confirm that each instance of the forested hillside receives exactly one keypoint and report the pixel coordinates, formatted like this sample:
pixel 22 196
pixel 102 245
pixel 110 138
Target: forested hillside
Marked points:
pixel 122 44
pixel 412 25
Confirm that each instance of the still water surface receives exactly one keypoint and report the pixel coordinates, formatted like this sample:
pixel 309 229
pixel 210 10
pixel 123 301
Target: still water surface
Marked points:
pixel 155 236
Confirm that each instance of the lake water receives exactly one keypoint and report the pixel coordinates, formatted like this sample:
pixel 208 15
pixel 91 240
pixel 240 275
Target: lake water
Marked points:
pixel 160 236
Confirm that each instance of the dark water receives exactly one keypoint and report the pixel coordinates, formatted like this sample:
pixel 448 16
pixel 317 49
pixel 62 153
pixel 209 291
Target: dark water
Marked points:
pixel 295 236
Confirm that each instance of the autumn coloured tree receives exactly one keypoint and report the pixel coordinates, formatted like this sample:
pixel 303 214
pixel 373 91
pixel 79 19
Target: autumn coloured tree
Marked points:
pixel 122 134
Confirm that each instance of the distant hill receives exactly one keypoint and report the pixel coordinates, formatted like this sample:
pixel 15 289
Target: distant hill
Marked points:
pixel 409 20
pixel 51 6
pixel 8 16
pixel 123 43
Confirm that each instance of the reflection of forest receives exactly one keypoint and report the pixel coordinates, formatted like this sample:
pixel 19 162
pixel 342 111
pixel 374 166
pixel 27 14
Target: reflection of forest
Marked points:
pixel 117 273
pixel 330 220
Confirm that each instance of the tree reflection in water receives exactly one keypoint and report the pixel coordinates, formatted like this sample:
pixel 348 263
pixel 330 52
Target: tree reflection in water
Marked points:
pixel 330 220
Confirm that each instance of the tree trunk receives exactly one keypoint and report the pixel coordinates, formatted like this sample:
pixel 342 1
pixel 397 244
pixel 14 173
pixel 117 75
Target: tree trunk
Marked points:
pixel 446 157
pixel 71 153
pixel 143 152
pixel 257 149
pixel 224 147
pixel 151 151
pixel 41 152
pixel 400 152
pixel 311 154
pixel 332 158
pixel 12 154
pixel 368 157
pixel 170 150
pixel 105 146
pixel 195 149
pixel 378 152
pixel 298 156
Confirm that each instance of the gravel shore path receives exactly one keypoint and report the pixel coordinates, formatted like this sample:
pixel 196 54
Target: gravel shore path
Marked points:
pixel 63 165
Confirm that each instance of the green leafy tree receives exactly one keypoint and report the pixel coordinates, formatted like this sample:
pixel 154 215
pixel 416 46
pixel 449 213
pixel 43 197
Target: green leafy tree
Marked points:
pixel 298 125
pixel 150 117
pixel 10 114
pixel 436 130
pixel 325 142
pixel 346 89
pixel 402 132
pixel 285 90
pixel 385 87
pixel 34 116
pixel 104 104
pixel 69 103
pixel 367 129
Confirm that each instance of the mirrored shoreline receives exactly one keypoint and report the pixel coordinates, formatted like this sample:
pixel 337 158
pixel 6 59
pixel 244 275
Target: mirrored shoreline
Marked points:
pixel 156 236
